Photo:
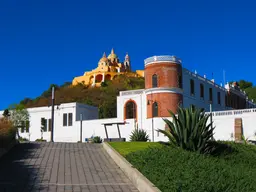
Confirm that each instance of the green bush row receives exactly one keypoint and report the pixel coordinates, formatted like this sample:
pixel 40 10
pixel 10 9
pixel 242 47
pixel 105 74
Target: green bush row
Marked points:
pixel 171 168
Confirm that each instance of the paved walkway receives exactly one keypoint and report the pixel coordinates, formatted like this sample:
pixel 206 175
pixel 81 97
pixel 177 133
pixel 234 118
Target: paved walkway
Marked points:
pixel 59 167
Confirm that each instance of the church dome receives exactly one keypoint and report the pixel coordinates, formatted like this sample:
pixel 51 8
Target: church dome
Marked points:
pixel 104 58
pixel 112 55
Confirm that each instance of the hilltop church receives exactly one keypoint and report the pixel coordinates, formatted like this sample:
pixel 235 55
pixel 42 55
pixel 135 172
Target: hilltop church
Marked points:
pixel 108 68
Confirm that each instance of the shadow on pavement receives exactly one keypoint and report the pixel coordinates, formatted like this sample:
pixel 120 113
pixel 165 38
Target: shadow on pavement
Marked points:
pixel 19 169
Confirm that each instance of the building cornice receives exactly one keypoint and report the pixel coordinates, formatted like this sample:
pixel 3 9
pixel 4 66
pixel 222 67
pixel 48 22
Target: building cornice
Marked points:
pixel 164 90
pixel 162 59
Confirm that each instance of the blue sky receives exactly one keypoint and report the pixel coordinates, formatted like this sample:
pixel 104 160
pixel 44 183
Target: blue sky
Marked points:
pixel 48 41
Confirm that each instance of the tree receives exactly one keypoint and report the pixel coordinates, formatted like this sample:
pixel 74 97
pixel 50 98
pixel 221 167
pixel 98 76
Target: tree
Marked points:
pixel 6 113
pixel 244 84
pixel 19 116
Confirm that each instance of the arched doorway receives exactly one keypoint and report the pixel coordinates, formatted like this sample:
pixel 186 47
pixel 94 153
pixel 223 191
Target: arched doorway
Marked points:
pixel 130 110
pixel 98 78
pixel 108 77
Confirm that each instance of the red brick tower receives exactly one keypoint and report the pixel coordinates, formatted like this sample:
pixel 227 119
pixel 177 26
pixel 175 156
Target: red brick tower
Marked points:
pixel 163 83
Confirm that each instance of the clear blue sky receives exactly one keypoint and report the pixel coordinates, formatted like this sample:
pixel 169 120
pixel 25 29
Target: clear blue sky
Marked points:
pixel 49 41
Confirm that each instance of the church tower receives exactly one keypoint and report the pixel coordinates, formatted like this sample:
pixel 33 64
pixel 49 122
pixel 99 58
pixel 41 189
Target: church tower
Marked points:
pixel 127 63
pixel 163 83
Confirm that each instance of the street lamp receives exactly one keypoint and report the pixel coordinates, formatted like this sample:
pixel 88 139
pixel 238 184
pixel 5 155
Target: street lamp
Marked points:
pixel 211 115
pixel 152 119
pixel 52 114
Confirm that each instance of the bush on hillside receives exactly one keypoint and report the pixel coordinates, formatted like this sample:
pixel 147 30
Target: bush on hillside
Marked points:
pixel 7 133
pixel 102 97
pixel 190 130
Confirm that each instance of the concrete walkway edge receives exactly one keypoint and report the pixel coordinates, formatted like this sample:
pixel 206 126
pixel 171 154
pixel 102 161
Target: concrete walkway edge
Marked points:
pixel 138 180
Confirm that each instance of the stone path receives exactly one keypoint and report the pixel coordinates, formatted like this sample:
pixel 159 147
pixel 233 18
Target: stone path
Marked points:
pixel 61 167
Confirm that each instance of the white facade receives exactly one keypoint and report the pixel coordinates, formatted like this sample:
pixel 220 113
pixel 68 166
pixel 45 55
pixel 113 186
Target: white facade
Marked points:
pixel 66 117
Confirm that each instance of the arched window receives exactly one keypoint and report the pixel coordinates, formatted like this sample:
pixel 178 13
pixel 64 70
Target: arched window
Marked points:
pixel 130 110
pixel 154 81
pixel 155 109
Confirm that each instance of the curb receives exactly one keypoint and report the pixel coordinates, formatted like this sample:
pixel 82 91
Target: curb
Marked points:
pixel 3 151
pixel 137 179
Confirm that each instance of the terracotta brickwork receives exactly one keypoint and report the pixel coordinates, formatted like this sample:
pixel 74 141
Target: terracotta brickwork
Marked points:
pixel 165 101
pixel 169 74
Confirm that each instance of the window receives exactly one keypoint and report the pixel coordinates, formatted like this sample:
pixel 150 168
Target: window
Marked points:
pixel 50 125
pixel 65 119
pixel 154 81
pixel 22 126
pixel 226 100
pixel 130 110
pixel 27 126
pixel 201 90
pixel 70 119
pixel 45 128
pixel 180 82
pixel 192 87
pixel 155 109
pixel 43 125
pixel 219 101
pixel 210 95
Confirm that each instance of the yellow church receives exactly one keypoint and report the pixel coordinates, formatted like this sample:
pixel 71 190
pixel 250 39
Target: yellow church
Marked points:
pixel 108 68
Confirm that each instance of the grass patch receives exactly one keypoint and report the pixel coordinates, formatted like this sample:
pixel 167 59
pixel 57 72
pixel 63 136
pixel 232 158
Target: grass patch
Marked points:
pixel 173 169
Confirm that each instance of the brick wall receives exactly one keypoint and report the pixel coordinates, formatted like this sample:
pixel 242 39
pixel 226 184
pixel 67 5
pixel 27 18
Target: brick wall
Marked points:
pixel 168 74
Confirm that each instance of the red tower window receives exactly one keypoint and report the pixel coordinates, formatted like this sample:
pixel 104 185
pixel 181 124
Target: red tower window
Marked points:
pixel 155 109
pixel 154 81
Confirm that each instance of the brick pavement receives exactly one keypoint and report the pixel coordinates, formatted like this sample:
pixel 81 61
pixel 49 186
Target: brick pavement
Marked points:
pixel 61 167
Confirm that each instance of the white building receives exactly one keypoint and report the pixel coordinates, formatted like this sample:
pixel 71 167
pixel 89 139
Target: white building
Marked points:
pixel 167 86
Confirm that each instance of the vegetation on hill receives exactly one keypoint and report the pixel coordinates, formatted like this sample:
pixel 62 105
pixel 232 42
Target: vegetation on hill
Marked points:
pixel 103 97
pixel 249 88
pixel 7 133
pixel 171 168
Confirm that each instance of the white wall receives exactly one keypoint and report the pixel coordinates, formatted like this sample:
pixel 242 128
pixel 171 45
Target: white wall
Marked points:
pixel 224 123
pixel 196 100
pixel 96 128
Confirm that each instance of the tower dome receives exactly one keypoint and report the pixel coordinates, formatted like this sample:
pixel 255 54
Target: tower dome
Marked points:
pixel 104 58
pixel 112 55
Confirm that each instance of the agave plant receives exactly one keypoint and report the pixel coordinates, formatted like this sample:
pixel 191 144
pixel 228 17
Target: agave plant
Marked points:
pixel 139 135
pixel 190 130
pixel 97 139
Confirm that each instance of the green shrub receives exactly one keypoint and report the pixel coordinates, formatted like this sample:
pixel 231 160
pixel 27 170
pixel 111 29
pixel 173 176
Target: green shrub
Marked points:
pixel 7 133
pixel 97 139
pixel 171 168
pixel 40 140
pixel 190 130
pixel 23 139
pixel 139 135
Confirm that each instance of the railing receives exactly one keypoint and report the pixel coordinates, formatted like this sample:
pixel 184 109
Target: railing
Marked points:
pixel 132 92
pixel 162 58
pixel 233 112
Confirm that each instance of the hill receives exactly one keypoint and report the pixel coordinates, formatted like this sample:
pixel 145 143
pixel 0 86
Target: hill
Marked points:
pixel 103 97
